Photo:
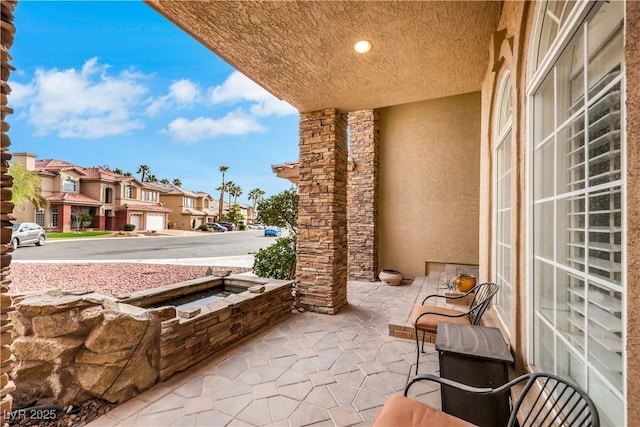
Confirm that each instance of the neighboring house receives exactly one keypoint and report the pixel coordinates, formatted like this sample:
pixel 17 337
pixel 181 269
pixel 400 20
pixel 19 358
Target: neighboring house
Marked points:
pixel 189 209
pixel 499 133
pixel 112 200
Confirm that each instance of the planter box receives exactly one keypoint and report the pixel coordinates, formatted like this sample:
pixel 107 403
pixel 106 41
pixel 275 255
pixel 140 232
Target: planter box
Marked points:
pixel 462 301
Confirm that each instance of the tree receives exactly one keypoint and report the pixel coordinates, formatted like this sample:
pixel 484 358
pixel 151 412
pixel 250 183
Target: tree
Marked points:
pixel 151 178
pixel 164 181
pixel 256 196
pixel 222 169
pixel 26 186
pixel 127 174
pixel 143 170
pixel 228 188
pixel 279 259
pixel 118 171
pixel 236 192
pixel 177 182
pixel 280 210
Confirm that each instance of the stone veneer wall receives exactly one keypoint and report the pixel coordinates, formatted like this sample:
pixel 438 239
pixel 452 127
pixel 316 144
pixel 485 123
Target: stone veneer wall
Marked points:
pixel 7 33
pixel 185 342
pixel 69 347
pixel 362 195
pixel 322 211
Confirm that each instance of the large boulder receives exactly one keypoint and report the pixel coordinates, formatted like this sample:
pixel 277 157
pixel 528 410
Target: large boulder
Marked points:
pixel 57 324
pixel 117 331
pixel 45 349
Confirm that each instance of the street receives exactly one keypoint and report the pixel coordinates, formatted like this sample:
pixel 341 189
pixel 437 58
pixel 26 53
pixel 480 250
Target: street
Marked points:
pixel 205 245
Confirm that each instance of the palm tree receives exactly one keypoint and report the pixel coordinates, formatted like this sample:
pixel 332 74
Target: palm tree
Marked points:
pixel 151 178
pixel 256 195
pixel 236 192
pixel 164 181
pixel 222 188
pixel 144 170
pixel 228 188
pixel 177 182
pixel 118 171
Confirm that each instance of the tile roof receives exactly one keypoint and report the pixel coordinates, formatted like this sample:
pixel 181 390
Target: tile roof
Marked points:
pixel 105 175
pixel 142 207
pixel 73 198
pixel 49 165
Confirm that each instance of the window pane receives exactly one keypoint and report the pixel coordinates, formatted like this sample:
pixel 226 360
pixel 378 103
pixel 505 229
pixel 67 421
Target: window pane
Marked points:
pixel 604 138
pixel 570 80
pixel 543 232
pixel 570 164
pixel 605 235
pixel 544 354
pixel 605 43
pixel 571 222
pixel 543 110
pixel 543 275
pixel 543 167
pixel 571 308
pixel 570 364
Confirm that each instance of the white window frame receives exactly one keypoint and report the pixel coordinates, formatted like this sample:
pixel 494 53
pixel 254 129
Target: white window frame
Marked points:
pixel 71 182
pixel 129 192
pixel 536 75
pixel 502 136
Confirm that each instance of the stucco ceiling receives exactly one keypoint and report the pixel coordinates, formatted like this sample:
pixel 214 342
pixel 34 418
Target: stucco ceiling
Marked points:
pixel 302 51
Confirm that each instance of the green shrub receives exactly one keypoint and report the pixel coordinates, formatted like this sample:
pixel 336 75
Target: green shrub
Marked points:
pixel 129 227
pixel 242 227
pixel 203 227
pixel 278 261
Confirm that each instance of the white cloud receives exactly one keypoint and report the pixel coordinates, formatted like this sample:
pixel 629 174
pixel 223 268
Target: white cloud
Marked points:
pixel 238 88
pixel 182 93
pixel 83 104
pixel 234 123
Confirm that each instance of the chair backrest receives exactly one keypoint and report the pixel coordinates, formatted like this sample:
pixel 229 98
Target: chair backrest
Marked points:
pixel 548 400
pixel 483 293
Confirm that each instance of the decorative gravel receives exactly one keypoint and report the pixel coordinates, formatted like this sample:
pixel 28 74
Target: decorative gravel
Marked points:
pixel 104 278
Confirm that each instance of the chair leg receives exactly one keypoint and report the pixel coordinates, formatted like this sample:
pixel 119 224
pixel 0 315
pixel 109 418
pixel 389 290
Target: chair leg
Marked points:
pixel 422 348
pixel 417 349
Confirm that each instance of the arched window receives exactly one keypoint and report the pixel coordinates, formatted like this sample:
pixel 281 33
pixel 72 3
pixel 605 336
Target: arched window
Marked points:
pixel 577 194
pixel 502 208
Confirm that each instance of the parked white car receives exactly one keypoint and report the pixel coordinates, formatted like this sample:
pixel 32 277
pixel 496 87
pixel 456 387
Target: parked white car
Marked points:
pixel 27 232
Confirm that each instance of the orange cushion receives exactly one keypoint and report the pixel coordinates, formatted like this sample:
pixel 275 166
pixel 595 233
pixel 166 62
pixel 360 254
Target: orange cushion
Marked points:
pixel 400 411
pixel 429 322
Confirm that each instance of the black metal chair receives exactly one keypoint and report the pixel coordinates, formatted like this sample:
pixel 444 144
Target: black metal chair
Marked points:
pixel 425 318
pixel 545 400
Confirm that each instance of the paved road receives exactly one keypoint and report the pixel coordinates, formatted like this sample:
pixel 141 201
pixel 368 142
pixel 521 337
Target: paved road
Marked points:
pixel 193 246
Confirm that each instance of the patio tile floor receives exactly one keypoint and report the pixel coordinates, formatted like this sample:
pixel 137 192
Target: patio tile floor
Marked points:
pixel 309 369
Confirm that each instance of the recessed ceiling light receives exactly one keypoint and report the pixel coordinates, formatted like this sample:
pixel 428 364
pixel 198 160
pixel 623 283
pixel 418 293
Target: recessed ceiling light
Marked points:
pixel 362 46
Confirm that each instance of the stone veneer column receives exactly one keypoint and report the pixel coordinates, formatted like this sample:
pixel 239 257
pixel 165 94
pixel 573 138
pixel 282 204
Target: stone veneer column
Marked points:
pixel 362 195
pixel 7 34
pixel 322 211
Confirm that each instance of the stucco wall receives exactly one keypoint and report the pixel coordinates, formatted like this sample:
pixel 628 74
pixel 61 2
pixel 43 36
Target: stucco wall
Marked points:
pixel 429 174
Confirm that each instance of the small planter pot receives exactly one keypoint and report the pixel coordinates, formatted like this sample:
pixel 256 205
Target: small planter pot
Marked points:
pixel 465 283
pixel 390 277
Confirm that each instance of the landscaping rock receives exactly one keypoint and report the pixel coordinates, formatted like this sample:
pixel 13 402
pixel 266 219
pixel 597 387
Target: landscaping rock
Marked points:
pixel 57 324
pixel 45 349
pixel 116 332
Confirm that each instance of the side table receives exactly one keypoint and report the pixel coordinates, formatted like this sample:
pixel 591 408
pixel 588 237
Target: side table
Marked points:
pixel 476 356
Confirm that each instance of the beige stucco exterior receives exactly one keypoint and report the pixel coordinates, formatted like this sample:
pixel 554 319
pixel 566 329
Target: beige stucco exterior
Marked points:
pixel 429 170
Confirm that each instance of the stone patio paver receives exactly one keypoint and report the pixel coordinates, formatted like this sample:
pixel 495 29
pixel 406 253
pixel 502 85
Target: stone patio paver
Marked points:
pixel 310 369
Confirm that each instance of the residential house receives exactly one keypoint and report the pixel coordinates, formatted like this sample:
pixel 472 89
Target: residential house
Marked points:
pixel 499 133
pixel 112 200
pixel 189 209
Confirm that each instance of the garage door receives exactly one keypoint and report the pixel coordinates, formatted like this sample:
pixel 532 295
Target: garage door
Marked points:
pixel 135 220
pixel 155 222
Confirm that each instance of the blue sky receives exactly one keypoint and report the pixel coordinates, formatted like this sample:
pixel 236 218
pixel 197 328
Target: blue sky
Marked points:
pixel 117 84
